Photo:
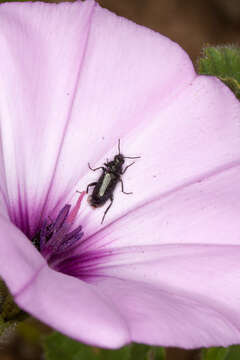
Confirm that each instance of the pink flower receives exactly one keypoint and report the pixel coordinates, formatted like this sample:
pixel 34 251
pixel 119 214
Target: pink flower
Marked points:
pixel 164 267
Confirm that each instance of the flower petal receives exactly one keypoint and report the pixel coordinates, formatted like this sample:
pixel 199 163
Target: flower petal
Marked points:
pixel 71 94
pixel 172 266
pixel 75 308
pixel 128 71
pixel 19 259
pixel 196 136
pixel 40 63
pixel 176 295
pixel 206 212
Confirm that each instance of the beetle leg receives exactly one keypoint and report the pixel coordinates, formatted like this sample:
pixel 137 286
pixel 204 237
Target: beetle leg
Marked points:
pixel 127 193
pixel 128 167
pixel 92 184
pixel 100 167
pixel 105 212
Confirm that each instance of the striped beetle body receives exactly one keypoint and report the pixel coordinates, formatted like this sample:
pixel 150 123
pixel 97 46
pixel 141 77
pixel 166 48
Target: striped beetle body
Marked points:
pixel 112 172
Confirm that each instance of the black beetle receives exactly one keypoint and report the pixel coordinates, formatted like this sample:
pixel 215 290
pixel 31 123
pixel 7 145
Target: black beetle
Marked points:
pixel 111 175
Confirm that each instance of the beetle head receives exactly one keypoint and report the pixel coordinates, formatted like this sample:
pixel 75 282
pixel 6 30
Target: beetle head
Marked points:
pixel 119 159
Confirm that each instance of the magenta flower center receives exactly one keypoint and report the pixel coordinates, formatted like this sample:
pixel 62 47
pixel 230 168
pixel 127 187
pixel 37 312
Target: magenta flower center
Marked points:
pixel 56 240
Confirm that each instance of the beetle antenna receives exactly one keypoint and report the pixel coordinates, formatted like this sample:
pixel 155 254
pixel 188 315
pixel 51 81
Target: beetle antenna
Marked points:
pixel 119 147
pixel 132 157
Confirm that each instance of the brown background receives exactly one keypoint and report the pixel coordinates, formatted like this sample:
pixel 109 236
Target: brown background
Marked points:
pixel 191 23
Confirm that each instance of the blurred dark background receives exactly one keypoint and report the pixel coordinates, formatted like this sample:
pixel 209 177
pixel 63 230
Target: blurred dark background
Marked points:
pixel 192 24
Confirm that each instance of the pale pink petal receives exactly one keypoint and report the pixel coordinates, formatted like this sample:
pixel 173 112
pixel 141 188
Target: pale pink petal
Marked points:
pixel 195 137
pixel 206 212
pixel 128 72
pixel 165 269
pixel 176 295
pixel 19 259
pixel 65 104
pixel 41 50
pixel 75 308
pixel 66 96
pixel 3 205
pixel 172 266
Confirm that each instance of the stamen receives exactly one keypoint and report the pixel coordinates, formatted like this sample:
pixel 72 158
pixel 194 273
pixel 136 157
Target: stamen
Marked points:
pixel 62 216
pixel 76 208
pixel 54 239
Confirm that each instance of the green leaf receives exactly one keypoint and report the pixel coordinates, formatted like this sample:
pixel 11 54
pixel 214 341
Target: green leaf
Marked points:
pixel 2 325
pixel 159 353
pixel 121 354
pixel 60 347
pixel 215 354
pixel 234 353
pixel 10 314
pixel 220 353
pixel 7 330
pixel 9 310
pixel 139 351
pixel 223 62
pixel 145 352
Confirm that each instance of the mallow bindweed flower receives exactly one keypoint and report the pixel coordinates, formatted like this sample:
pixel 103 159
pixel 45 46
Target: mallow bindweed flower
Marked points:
pixel 164 267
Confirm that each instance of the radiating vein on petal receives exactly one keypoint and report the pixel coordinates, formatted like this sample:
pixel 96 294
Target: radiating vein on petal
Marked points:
pixel 206 212
pixel 197 135
pixel 128 71
pixel 42 46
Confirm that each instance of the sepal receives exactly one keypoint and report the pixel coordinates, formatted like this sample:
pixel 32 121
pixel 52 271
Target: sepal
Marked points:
pixel 224 63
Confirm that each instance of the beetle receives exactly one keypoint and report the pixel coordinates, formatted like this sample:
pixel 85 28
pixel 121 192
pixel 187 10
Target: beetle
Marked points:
pixel 112 172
